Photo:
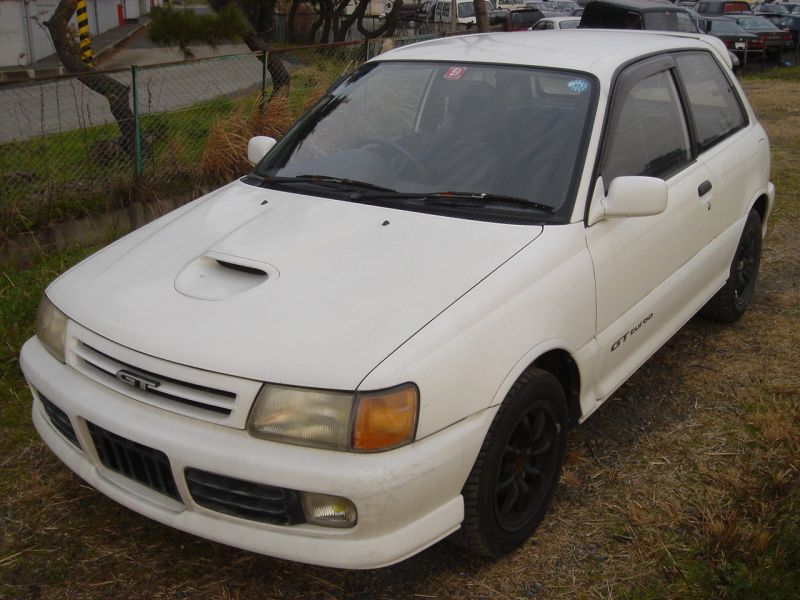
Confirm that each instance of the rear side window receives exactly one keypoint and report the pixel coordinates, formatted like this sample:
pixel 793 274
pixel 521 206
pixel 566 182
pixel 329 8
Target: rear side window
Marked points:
pixel 715 106
pixel 649 135
pixel 736 7
pixel 601 16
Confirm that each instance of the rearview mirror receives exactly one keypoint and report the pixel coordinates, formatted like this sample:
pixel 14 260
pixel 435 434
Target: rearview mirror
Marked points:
pixel 258 147
pixel 630 196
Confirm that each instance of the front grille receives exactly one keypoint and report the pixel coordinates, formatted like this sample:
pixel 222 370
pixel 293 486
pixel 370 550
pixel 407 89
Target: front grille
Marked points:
pixel 140 383
pixel 245 499
pixel 59 420
pixel 138 462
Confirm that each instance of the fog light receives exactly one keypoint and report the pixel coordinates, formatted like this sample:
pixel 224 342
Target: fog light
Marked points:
pixel 329 511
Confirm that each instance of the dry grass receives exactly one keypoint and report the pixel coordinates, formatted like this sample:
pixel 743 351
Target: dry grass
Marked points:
pixel 684 485
pixel 225 153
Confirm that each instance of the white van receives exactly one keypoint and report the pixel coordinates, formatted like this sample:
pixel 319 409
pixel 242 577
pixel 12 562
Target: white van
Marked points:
pixel 465 14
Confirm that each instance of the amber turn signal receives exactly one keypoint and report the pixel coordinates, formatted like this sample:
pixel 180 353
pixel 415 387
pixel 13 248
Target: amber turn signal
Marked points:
pixel 386 419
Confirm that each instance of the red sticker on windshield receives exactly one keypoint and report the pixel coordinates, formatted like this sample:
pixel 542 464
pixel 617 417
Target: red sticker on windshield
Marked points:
pixel 454 73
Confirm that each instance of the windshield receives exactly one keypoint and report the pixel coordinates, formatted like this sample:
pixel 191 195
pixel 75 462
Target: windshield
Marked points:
pixel 467 9
pixel 773 8
pixel 756 24
pixel 725 27
pixel 524 17
pixel 419 128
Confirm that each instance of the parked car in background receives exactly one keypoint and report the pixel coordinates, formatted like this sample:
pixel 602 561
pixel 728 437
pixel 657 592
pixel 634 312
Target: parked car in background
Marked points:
pixel 557 23
pixel 772 37
pixel 770 8
pixel 637 14
pixel 509 4
pixel 464 16
pixel 545 8
pixel 567 7
pixel 736 39
pixel 380 336
pixel 781 18
pixel 721 7
pixel 793 22
pixel 521 19
pixel 427 9
pixel 643 14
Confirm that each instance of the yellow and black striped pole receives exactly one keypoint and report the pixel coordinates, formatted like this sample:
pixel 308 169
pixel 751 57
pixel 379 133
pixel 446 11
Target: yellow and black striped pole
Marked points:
pixel 83 32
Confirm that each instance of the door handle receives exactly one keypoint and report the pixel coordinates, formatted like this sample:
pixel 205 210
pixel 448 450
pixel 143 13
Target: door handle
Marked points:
pixel 704 188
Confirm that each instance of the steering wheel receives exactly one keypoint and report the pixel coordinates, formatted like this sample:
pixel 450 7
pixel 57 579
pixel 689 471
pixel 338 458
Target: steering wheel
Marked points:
pixel 398 149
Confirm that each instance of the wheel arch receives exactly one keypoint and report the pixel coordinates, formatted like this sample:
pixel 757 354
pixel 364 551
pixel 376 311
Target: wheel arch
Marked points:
pixel 760 206
pixel 562 366
pixel 763 204
pixel 555 359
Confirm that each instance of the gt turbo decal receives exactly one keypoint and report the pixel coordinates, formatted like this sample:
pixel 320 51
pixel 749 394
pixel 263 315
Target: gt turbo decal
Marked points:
pixel 621 340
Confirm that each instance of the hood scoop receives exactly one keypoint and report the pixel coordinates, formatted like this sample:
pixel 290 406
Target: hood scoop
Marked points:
pixel 218 276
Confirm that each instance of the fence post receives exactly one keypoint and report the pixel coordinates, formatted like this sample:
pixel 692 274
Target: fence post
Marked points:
pixel 366 49
pixel 264 74
pixel 137 129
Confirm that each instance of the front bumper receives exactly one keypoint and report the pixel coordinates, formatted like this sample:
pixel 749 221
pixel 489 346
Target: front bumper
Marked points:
pixel 407 499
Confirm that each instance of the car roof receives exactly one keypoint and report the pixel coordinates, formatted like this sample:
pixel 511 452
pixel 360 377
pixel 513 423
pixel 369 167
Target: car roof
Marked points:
pixel 642 6
pixel 595 51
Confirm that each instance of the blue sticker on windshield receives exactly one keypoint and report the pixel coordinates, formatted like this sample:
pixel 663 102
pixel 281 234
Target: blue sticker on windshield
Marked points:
pixel 578 85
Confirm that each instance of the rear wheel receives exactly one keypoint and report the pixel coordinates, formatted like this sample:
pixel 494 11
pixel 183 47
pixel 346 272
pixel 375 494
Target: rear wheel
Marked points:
pixel 517 470
pixel 732 300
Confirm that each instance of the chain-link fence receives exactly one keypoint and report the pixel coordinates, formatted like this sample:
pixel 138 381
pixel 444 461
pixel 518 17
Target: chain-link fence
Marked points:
pixel 161 131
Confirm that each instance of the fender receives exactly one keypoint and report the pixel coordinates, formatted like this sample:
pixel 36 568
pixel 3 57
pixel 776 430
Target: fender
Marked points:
pixel 528 359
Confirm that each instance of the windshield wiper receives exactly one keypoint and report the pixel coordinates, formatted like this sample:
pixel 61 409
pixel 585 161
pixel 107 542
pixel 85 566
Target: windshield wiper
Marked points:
pixel 326 180
pixel 481 199
pixel 363 191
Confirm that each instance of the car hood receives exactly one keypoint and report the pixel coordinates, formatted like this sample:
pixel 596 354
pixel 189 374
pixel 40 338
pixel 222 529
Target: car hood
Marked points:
pixel 282 287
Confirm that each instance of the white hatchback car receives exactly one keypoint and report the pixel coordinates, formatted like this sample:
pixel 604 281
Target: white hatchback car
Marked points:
pixel 380 336
pixel 556 23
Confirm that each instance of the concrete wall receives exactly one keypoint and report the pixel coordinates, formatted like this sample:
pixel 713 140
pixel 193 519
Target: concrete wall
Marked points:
pixel 24 40
pixel 13 37
pixel 104 13
pixel 133 9
pixel 40 10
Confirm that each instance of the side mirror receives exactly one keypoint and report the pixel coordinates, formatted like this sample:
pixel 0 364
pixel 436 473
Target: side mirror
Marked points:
pixel 258 147
pixel 629 196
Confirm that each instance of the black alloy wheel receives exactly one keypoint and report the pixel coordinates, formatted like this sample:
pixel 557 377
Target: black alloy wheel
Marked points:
pixel 745 266
pixel 529 460
pixel 516 473
pixel 732 300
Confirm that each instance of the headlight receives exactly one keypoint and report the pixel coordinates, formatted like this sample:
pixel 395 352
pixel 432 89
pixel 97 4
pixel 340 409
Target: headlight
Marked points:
pixel 367 421
pixel 51 328
pixel 301 416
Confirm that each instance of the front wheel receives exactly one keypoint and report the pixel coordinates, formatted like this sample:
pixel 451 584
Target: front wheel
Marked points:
pixel 517 470
pixel 732 300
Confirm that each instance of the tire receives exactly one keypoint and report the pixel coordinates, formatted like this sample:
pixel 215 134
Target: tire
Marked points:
pixel 515 475
pixel 732 300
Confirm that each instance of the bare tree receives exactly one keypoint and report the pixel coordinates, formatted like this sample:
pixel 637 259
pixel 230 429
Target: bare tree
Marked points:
pixel 481 16
pixel 255 40
pixel 332 22
pixel 232 19
pixel 117 94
